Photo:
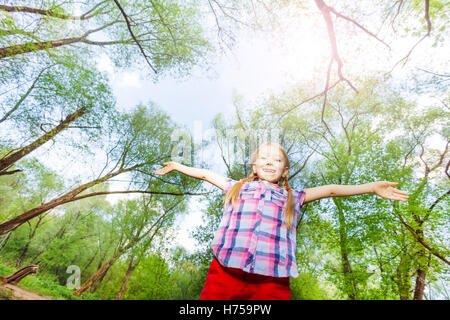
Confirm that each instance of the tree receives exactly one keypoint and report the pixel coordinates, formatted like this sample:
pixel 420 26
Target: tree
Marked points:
pixel 130 222
pixel 138 145
pixel 170 38
pixel 65 95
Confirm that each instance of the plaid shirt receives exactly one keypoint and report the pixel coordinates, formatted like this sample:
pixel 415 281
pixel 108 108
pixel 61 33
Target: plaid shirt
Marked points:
pixel 252 236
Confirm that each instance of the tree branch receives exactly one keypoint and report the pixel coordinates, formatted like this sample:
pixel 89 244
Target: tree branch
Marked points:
pixel 7 162
pixel 147 59
pixel 427 16
pixel 421 241
pixel 358 25
pixel 325 10
pixel 93 194
pixel 306 100
pixel 437 201
pixel 49 13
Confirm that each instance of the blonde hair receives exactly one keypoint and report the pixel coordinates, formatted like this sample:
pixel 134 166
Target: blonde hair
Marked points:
pixel 233 194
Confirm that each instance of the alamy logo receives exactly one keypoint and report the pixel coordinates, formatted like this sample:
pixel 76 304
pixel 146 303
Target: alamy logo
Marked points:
pixel 73 282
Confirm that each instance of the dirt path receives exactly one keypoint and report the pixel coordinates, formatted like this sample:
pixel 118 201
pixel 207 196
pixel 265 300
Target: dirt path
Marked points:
pixel 21 294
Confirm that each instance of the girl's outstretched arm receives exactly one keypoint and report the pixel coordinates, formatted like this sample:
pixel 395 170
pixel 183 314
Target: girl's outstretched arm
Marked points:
pixel 383 189
pixel 203 174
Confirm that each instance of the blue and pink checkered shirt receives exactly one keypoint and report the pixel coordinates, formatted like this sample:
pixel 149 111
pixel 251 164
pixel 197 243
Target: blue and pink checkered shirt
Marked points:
pixel 252 235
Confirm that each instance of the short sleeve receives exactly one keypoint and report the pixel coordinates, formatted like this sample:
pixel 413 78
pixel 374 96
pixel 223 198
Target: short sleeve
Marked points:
pixel 299 196
pixel 229 184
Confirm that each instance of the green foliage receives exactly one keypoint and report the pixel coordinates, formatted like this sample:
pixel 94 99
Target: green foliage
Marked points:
pixel 47 287
pixel 5 270
pixel 360 247
pixel 357 246
pixel 307 287
pixel 44 285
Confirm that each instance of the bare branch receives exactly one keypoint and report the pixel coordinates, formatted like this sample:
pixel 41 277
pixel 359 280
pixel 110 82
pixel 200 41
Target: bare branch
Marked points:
pixel 302 167
pixel 49 13
pixel 400 3
pixel 427 16
pixel 325 98
pixel 441 158
pixel 7 162
pixel 305 101
pixel 133 36
pixel 435 74
pixel 27 93
pixel 220 30
pixel 358 25
pixel 405 58
pixel 10 172
pixel 421 241
pixel 325 10
pixel 138 191
pixel 436 202
pixel 446 169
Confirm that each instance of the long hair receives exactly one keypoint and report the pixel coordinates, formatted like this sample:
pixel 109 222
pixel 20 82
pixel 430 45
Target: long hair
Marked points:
pixel 233 194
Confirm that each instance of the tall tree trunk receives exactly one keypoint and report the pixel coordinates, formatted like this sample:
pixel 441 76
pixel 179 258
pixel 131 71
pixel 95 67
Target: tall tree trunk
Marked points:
pixel 34 259
pixel 421 270
pixel 49 13
pixel 131 267
pixel 349 282
pixel 30 237
pixel 4 242
pixel 98 275
pixel 96 278
pixel 155 286
pixel 90 262
pixel 68 197
pixel 403 277
pixel 19 274
pixel 420 284
pixel 99 280
pixel 8 161
pixel 36 46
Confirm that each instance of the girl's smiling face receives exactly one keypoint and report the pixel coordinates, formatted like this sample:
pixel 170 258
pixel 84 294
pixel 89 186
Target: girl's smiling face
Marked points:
pixel 270 164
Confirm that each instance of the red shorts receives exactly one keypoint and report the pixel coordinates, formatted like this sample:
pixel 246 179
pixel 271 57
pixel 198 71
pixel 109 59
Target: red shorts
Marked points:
pixel 223 283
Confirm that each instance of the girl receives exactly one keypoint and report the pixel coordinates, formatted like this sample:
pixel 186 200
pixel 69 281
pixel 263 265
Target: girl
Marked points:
pixel 254 247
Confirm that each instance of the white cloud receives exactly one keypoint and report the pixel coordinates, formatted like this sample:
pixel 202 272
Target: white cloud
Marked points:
pixel 104 64
pixel 128 80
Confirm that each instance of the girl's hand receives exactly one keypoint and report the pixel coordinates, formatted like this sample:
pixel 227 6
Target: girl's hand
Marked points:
pixel 168 167
pixel 385 190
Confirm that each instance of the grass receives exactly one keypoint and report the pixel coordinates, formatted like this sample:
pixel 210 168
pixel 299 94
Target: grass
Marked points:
pixel 42 285
pixel 5 294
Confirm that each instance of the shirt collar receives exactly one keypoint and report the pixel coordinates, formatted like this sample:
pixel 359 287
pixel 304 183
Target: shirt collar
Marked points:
pixel 269 184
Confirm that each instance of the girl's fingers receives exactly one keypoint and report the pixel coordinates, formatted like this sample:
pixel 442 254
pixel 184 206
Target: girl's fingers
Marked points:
pixel 400 198
pixel 159 171
pixel 399 191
